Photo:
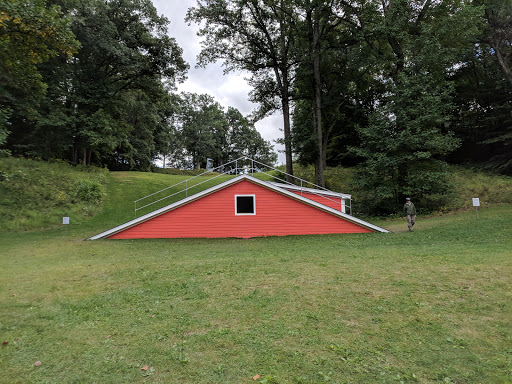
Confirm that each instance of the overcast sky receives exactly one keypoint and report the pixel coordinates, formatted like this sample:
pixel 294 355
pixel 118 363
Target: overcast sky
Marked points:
pixel 228 90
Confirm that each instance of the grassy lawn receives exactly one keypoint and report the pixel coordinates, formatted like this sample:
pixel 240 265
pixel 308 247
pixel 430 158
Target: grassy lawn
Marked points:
pixel 433 306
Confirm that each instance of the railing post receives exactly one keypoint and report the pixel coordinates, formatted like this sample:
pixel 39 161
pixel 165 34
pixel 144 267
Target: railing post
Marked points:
pixel 135 209
pixel 186 188
pixel 301 187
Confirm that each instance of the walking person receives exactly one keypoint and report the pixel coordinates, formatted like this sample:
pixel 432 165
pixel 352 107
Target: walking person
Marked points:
pixel 410 213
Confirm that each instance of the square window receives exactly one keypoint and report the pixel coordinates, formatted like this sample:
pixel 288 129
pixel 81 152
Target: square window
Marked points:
pixel 245 205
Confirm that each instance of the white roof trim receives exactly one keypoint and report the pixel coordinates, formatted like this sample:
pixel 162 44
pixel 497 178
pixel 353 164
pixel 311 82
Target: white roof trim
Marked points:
pixel 225 184
pixel 321 192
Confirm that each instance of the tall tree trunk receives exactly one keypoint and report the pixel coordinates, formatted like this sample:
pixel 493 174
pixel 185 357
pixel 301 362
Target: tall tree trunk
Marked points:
pixel 498 21
pixel 74 155
pixel 285 102
pixel 314 52
pixel 503 63
pixel 287 139
pixel 319 170
pixel 283 84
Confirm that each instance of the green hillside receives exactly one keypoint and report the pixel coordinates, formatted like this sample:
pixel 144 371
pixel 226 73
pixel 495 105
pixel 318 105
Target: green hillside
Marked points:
pixel 433 306
pixel 36 194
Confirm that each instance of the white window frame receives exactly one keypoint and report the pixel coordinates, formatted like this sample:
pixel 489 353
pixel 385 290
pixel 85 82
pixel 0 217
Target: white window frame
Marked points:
pixel 253 205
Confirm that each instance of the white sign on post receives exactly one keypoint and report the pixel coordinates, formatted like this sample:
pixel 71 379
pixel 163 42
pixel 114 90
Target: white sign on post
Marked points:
pixel 65 221
pixel 476 204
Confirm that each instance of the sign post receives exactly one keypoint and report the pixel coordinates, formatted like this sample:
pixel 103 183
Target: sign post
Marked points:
pixel 476 204
pixel 65 221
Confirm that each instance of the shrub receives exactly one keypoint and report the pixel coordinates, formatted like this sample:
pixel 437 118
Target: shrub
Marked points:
pixel 88 190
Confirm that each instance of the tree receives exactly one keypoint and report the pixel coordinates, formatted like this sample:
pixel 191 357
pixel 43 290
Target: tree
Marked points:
pixel 206 132
pixel 498 32
pixel 255 36
pixel 318 31
pixel 484 93
pixel 348 96
pixel 483 118
pixel 201 122
pixel 101 105
pixel 406 160
pixel 125 49
pixel 417 44
pixel 31 33
pixel 245 140
pixel 168 141
pixel 325 78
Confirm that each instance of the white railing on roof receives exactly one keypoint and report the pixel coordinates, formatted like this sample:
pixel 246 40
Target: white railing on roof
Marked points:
pixel 242 165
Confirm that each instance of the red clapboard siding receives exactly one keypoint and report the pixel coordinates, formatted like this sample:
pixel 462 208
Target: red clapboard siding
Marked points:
pixel 330 201
pixel 214 216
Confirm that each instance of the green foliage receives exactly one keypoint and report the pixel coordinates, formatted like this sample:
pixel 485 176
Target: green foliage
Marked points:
pixel 405 142
pixel 128 55
pixel 337 179
pixel 111 104
pixel 463 184
pixel 108 104
pixel 89 191
pixel 483 117
pixel 244 140
pixel 498 33
pixel 489 187
pixel 30 33
pixel 202 126
pixel 207 132
pixel 4 132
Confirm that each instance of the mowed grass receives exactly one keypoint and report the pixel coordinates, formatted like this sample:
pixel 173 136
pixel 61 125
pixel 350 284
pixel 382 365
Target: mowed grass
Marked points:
pixel 433 306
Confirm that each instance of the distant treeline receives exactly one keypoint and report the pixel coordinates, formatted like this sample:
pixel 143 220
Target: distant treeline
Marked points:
pixel 397 88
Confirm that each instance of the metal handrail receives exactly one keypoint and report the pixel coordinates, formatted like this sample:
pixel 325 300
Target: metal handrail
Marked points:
pixel 252 169
pixel 301 181
pixel 174 194
pixel 314 193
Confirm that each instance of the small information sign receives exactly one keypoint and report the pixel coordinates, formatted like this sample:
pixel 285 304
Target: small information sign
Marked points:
pixel 476 204
pixel 65 220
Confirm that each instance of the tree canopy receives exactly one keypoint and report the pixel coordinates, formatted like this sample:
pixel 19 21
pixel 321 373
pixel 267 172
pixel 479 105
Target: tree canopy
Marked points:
pixel 31 33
